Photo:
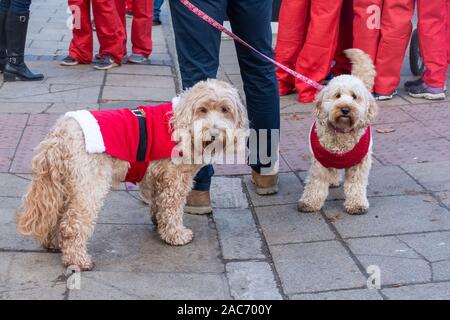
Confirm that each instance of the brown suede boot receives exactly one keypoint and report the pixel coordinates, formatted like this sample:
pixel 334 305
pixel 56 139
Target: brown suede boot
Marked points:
pixel 265 184
pixel 198 202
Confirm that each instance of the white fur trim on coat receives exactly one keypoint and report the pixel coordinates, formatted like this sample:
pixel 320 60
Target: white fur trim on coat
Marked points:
pixel 175 102
pixel 91 130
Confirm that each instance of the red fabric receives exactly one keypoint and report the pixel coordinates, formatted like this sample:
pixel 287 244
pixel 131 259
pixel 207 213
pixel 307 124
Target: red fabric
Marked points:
pixel 340 160
pixel 307 39
pixel 81 46
pixel 108 30
pixel 120 132
pixel 386 46
pixel 432 25
pixel 129 5
pixel 141 28
pixel 343 65
pixel 448 32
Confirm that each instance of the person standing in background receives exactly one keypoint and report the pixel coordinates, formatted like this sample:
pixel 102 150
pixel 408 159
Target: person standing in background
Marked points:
pixel 14 18
pixel 157 12
pixel 382 29
pixel 141 29
pixel 307 39
pixel 109 32
pixel 434 45
pixel 198 45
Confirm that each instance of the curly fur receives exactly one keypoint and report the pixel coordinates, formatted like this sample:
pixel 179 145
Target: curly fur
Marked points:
pixel 352 93
pixel 69 185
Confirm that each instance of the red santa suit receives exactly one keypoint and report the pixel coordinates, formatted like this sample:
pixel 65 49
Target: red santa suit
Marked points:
pixel 386 43
pixel 141 28
pixel 432 27
pixel 120 134
pixel 307 39
pixel 338 160
pixel 108 28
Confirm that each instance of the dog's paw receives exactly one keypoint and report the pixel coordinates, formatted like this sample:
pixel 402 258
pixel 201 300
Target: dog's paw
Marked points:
pixel 178 237
pixel 304 207
pixel 335 184
pixel 356 210
pixel 84 265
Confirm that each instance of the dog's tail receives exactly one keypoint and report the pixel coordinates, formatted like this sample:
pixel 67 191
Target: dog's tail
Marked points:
pixel 362 66
pixel 45 199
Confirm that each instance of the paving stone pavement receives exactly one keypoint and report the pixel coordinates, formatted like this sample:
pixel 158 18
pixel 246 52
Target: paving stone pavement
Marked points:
pixel 252 247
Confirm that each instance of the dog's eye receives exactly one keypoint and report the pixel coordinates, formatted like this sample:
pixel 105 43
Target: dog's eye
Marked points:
pixel 338 95
pixel 354 96
pixel 225 110
pixel 203 110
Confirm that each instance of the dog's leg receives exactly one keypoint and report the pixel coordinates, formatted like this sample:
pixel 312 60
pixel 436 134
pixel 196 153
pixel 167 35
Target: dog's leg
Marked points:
pixel 335 179
pixel 148 195
pixel 355 187
pixel 316 189
pixel 171 190
pixel 90 182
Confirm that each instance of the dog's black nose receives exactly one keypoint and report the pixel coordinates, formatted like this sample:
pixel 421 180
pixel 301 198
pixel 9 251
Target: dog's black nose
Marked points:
pixel 345 110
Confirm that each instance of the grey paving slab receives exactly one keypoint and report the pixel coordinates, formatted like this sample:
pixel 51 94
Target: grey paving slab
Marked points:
pixel 429 291
pixel 122 208
pixel 252 281
pixel 284 224
pixel 138 93
pixel 319 266
pixel 12 185
pixel 61 108
pixel 433 176
pixel 238 235
pixel 390 215
pixel 383 181
pixel 354 294
pixel 396 261
pixel 14 107
pixel 33 276
pixel 139 248
pixel 10 239
pixel 153 286
pixel 433 246
pixel 150 81
pixel 228 193
pixel 143 70
pixel 289 191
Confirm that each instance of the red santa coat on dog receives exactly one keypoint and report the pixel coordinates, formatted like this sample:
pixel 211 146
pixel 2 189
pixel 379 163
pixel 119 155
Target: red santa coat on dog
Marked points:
pixel 119 134
pixel 340 160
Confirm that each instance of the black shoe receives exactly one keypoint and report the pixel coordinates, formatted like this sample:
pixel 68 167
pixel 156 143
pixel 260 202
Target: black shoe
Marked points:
pixel 16 35
pixel 3 16
pixel 412 83
pixel 105 63
pixel 69 61
pixel 156 21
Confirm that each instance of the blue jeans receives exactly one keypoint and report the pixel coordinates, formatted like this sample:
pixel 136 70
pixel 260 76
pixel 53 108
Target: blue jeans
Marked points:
pixel 157 8
pixel 15 6
pixel 198 47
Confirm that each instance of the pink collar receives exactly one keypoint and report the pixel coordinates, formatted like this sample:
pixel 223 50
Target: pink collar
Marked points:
pixel 340 160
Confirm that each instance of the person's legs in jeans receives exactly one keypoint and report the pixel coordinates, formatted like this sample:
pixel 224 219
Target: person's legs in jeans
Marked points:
pixel 198 47
pixel 157 8
pixel 250 20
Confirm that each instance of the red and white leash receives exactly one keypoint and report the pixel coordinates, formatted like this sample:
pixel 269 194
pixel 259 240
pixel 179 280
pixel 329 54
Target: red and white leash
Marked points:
pixel 221 28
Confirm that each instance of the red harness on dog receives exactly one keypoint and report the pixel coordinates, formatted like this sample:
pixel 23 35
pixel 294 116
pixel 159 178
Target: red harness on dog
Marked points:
pixel 137 136
pixel 339 160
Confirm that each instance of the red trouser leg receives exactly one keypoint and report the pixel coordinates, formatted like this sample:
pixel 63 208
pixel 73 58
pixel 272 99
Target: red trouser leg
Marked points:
pixel 432 25
pixel 448 31
pixel 366 32
pixel 109 29
pixel 345 41
pixel 122 7
pixel 314 60
pixel 292 29
pixel 81 46
pixel 141 30
pixel 395 34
